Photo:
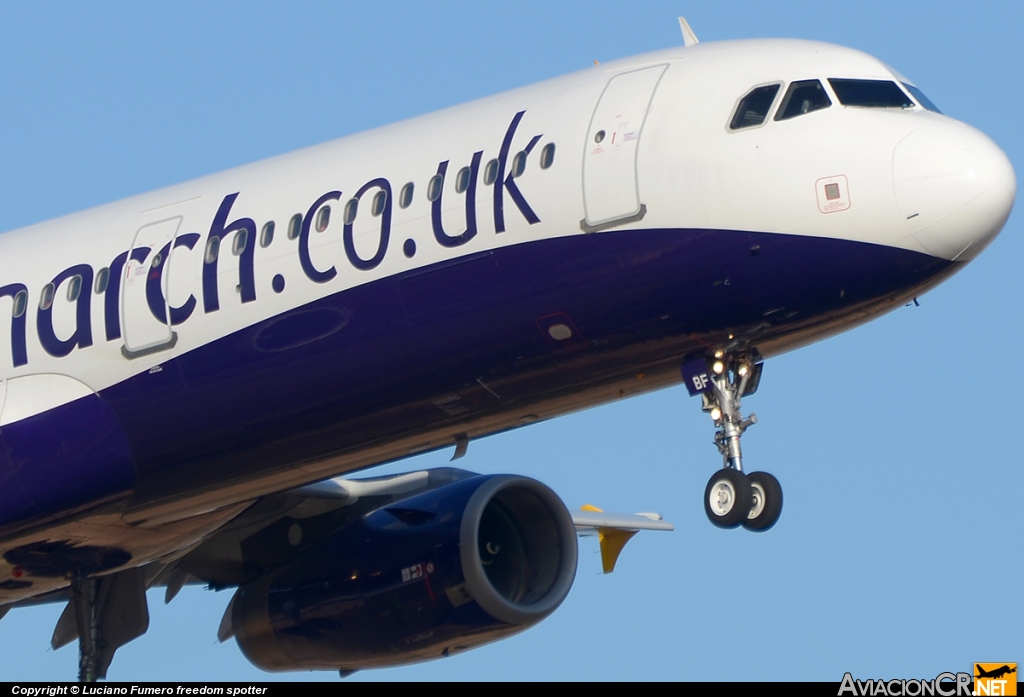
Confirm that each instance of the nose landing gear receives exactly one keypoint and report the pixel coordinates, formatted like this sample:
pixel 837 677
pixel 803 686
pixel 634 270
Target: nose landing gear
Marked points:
pixel 731 497
pixel 766 502
pixel 727 498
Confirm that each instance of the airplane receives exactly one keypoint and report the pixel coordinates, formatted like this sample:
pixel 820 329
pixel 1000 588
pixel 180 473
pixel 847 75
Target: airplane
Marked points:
pixel 995 672
pixel 155 350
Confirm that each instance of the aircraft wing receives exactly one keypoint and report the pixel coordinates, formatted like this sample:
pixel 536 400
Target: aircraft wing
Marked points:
pixel 614 530
pixel 281 527
pixel 252 541
pixel 590 521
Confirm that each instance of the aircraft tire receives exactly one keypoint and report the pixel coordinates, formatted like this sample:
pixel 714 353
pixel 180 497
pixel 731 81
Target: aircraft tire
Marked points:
pixel 727 498
pixel 766 502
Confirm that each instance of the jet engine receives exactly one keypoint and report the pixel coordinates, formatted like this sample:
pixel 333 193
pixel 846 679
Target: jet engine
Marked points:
pixel 455 567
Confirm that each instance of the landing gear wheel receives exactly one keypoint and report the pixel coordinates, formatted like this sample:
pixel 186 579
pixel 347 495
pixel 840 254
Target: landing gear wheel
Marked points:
pixel 727 498
pixel 766 502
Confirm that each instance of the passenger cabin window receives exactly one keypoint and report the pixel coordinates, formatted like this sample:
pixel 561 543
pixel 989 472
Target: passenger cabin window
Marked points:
pixel 921 99
pixel 241 239
pixel 491 172
pixel 351 208
pixel 876 94
pixel 20 303
pixel 102 279
pixel 519 164
pixel 405 196
pixel 380 200
pixel 295 226
pixel 547 156
pixel 803 97
pixel 754 107
pixel 434 187
pixel 74 288
pixel 462 180
pixel 46 298
pixel 267 234
pixel 212 249
pixel 323 219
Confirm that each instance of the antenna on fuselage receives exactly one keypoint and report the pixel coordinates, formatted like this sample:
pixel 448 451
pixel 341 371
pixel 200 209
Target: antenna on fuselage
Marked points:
pixel 689 38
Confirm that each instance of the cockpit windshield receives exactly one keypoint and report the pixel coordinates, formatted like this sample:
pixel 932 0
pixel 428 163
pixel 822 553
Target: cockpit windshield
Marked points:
pixel 877 94
pixel 921 99
pixel 754 107
pixel 803 97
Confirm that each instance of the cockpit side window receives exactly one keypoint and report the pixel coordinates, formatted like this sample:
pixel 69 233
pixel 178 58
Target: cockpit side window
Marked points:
pixel 754 107
pixel 921 99
pixel 803 97
pixel 878 94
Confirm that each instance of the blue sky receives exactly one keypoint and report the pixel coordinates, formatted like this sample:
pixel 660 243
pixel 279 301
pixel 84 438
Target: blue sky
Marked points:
pixel 900 542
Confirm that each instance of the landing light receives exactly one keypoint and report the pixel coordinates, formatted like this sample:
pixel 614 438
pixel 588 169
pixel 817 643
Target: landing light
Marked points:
pixel 716 414
pixel 718 367
pixel 743 370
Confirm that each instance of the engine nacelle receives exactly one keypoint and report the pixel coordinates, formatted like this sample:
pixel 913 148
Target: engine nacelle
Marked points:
pixel 456 567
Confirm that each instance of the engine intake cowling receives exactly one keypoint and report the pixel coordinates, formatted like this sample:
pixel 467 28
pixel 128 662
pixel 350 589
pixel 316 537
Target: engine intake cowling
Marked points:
pixel 443 571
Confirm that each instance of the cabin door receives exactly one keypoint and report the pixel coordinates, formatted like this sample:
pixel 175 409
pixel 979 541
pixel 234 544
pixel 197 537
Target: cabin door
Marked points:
pixel 610 193
pixel 145 317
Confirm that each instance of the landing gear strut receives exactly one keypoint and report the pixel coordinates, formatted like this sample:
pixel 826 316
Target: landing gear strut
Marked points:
pixel 83 600
pixel 104 614
pixel 733 498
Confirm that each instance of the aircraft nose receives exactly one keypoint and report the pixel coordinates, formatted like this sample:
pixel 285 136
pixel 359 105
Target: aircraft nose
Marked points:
pixel 954 187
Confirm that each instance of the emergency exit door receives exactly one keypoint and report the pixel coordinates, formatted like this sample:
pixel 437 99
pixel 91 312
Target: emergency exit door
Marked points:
pixel 145 316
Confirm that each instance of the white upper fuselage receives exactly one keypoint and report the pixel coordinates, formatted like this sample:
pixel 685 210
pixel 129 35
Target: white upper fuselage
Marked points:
pixel 692 172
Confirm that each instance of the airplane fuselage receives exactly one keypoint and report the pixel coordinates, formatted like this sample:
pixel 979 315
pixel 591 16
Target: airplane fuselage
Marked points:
pixel 169 358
